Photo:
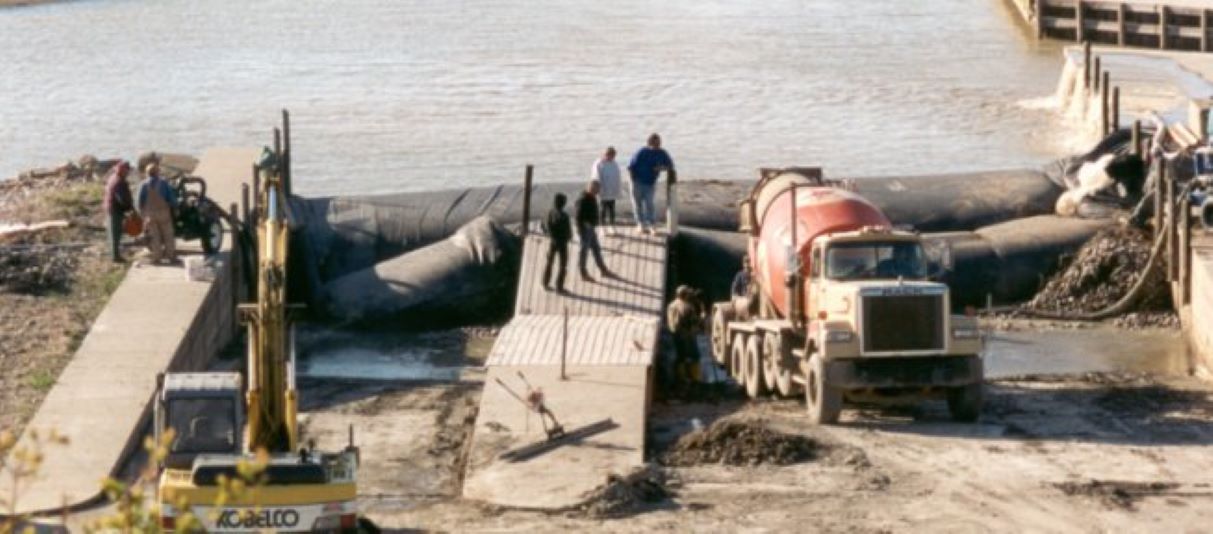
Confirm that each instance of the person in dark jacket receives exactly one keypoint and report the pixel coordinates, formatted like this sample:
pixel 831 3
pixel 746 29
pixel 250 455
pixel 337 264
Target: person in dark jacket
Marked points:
pixel 586 214
pixel 560 232
pixel 117 202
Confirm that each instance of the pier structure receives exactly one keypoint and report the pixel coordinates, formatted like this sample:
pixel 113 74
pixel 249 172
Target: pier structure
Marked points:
pixel 1158 24
pixel 591 352
pixel 157 320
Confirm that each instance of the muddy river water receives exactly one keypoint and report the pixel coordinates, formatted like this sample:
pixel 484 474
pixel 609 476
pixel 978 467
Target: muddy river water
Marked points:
pixel 408 95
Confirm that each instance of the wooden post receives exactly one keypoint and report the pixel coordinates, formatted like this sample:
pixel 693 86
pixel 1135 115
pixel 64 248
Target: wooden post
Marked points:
pixel 286 154
pixel 1080 21
pixel 1185 251
pixel 671 202
pixel 1204 31
pixel 1162 27
pixel 1172 229
pixel 256 190
pixel 1137 138
pixel 1086 66
pixel 278 144
pixel 526 201
pixel 1115 124
pixel 1040 19
pixel 1159 177
pixel 1096 72
pixel 1103 102
pixel 244 213
pixel 1122 18
pixel 564 345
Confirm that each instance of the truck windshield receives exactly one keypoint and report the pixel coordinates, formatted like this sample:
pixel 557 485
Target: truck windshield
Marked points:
pixel 867 260
pixel 202 425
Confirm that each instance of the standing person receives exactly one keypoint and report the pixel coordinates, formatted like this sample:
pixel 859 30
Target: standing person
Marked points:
pixel 157 200
pixel 606 172
pixel 559 231
pixel 646 164
pixel 586 214
pixel 117 203
pixel 684 319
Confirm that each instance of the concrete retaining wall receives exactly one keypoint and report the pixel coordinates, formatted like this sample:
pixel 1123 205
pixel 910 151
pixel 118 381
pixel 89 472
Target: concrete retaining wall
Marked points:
pixel 1199 324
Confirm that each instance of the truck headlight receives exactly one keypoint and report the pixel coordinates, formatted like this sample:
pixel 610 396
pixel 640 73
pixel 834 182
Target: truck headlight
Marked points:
pixel 839 336
pixel 966 332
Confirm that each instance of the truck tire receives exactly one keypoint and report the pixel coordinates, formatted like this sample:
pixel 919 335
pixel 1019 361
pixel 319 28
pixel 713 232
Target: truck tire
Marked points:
pixel 737 358
pixel 823 401
pixel 720 334
pixel 777 352
pixel 754 386
pixel 965 402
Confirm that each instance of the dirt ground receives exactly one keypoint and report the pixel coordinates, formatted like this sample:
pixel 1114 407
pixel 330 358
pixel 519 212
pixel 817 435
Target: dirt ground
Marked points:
pixel 1096 452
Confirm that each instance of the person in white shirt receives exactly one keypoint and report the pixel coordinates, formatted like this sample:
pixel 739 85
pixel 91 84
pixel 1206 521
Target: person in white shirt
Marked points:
pixel 607 173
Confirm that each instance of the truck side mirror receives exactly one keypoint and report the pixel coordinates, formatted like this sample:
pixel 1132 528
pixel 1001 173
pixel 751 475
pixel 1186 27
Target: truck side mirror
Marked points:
pixel 939 257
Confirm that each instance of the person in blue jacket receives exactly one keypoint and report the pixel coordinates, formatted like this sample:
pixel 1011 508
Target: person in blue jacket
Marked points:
pixel 646 165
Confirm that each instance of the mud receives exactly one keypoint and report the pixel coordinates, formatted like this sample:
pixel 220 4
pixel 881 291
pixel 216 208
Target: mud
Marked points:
pixel 1101 273
pixel 1116 494
pixel 741 443
pixel 623 496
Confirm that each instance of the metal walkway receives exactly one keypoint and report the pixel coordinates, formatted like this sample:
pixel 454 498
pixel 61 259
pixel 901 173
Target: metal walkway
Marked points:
pixel 602 336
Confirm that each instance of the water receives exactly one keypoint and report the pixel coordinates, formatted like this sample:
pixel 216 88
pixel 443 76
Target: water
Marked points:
pixel 396 95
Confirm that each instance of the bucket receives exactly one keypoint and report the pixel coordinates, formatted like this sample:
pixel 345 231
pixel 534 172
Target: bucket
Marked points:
pixel 132 225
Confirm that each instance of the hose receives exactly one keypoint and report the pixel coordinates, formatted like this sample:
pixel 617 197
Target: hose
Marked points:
pixel 1126 302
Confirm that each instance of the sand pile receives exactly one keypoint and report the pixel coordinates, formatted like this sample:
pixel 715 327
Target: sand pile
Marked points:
pixel 740 443
pixel 1101 273
pixel 626 495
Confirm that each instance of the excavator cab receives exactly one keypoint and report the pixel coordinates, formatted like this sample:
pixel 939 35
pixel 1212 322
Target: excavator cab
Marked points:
pixel 205 411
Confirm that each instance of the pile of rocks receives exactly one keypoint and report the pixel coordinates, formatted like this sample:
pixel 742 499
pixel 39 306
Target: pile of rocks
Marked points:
pixel 734 442
pixel 626 495
pixel 37 270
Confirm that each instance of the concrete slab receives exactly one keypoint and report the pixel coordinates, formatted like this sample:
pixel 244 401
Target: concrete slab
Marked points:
pixel 155 321
pixel 564 475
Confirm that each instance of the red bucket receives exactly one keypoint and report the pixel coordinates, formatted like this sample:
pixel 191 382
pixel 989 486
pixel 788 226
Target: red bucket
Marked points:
pixel 132 225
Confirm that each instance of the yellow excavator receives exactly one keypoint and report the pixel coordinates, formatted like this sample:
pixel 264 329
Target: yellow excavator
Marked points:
pixel 221 419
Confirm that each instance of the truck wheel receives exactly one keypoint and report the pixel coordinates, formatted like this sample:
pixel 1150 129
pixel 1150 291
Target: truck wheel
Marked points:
pixel 965 402
pixel 720 335
pixel 824 401
pixel 737 357
pixel 753 367
pixel 777 353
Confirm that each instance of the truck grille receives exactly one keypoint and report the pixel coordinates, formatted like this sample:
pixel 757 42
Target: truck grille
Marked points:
pixel 902 323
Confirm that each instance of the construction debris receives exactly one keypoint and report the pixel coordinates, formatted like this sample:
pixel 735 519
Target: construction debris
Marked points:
pixel 1102 273
pixel 741 443
pixel 623 496
pixel 37 270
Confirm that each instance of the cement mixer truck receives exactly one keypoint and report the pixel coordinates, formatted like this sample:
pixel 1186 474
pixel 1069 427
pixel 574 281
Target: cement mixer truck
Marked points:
pixel 836 303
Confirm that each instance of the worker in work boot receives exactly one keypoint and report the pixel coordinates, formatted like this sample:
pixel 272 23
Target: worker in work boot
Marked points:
pixel 157 202
pixel 586 214
pixel 646 165
pixel 606 171
pixel 684 319
pixel 560 232
pixel 117 203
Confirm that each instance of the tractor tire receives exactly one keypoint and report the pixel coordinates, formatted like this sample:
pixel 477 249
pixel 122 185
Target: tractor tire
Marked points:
pixel 720 334
pixel 964 402
pixel 737 358
pixel 779 352
pixel 754 386
pixel 212 239
pixel 823 400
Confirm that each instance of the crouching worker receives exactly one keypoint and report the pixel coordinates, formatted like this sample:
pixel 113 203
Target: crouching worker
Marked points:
pixel 685 320
pixel 560 232
pixel 157 201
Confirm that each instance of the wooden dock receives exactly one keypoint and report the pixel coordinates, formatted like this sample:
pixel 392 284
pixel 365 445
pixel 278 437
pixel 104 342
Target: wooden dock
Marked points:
pixel 1161 25
pixel 591 353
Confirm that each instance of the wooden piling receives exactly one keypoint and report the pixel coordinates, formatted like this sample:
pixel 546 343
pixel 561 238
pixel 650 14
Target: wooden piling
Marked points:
pixel 278 144
pixel 1040 19
pixel 286 153
pixel 1097 72
pixel 1162 27
pixel 1086 65
pixel 526 201
pixel 1115 124
pixel 1122 28
pixel 1104 104
pixel 1080 21
pixel 244 213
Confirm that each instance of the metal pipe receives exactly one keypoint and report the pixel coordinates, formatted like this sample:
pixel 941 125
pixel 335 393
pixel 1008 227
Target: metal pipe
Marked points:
pixel 1096 70
pixel 1086 66
pixel 1103 100
pixel 1115 125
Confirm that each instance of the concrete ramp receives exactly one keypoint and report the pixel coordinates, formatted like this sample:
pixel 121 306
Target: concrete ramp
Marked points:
pixel 156 321
pixel 602 336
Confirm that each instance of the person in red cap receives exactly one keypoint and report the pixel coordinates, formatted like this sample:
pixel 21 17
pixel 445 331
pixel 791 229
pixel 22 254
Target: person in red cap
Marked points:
pixel 117 203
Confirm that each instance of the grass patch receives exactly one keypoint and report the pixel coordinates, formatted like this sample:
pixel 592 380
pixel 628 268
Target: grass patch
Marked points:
pixel 42 380
pixel 80 200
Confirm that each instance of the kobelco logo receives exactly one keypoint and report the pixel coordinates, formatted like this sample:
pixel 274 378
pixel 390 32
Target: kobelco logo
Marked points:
pixel 262 519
